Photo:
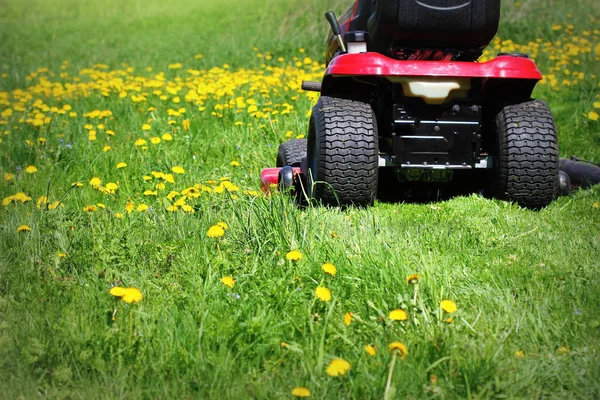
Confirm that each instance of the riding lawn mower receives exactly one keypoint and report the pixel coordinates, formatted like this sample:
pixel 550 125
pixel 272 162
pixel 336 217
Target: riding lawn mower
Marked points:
pixel 405 109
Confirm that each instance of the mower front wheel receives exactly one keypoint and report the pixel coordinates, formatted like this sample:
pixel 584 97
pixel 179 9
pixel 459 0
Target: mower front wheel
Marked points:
pixel 291 153
pixel 527 160
pixel 342 158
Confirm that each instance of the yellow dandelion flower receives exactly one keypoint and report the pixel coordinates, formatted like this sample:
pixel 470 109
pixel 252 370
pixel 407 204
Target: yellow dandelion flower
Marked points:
pixel 117 291
pixel 520 354
pixel 449 306
pixel 121 165
pixel 398 315
pixel 172 194
pixel 9 177
pixel 333 234
pixel 398 348
pixel 106 148
pixel 119 215
pixel 215 231
pixel 167 137
pixel 20 197
pixel 229 186
pixel 329 268
pixel 129 206
pixel 283 344
pixel 131 295
pixel 300 392
pixel 146 127
pixel 562 350
pixel 323 293
pixel 228 281
pixel 61 254
pixel 95 182
pixel 169 178
pixel 54 205
pixel 31 169
pixel 150 193
pixel 41 201
pixel 111 187
pixel 234 163
pixel 593 115
pixel 338 367
pixel 371 350
pixel 595 205
pixel 90 208
pixel 140 142
pixel 222 225
pixel 413 278
pixel 348 318
pixel 293 255
pixel 178 169
pixel 23 228
pixel 155 140
pixel 186 125
pixel 142 208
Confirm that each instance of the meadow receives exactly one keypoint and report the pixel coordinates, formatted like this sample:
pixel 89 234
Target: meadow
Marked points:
pixel 139 258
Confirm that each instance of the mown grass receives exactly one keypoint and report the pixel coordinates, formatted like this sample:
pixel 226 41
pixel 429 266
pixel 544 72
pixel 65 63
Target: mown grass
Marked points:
pixel 525 282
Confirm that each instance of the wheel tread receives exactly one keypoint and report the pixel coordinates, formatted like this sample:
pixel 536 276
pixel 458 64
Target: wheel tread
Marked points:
pixel 528 154
pixel 348 161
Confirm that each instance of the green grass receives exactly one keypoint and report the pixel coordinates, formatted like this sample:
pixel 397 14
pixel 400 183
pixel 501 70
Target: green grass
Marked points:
pixel 522 280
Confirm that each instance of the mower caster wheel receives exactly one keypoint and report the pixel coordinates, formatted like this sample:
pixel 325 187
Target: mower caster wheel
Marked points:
pixel 343 160
pixel 526 167
pixel 291 153
pixel 285 179
pixel 564 183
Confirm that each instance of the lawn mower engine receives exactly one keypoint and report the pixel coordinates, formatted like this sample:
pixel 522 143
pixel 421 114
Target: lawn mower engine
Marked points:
pixel 406 111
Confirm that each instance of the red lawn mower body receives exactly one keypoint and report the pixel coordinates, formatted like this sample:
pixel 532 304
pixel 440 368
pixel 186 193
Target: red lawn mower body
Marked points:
pixel 406 108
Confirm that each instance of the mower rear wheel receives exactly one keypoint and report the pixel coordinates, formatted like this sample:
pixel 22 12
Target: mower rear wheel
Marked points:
pixel 291 153
pixel 343 155
pixel 527 161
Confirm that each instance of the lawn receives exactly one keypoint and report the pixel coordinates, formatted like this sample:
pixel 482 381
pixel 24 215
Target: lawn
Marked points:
pixel 132 135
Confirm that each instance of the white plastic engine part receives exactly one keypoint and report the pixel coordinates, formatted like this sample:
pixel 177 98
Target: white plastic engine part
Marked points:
pixel 357 47
pixel 433 90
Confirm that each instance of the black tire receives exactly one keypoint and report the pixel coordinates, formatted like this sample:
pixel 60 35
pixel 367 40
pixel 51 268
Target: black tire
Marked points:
pixel 342 153
pixel 527 161
pixel 291 153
